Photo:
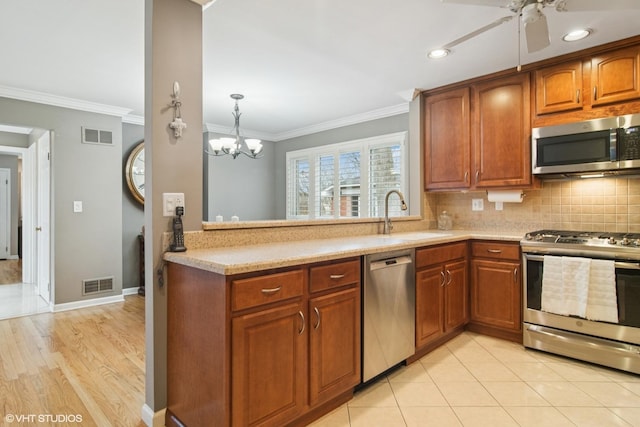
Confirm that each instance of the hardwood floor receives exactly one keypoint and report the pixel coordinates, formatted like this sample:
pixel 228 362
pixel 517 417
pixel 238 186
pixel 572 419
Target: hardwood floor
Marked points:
pixel 86 363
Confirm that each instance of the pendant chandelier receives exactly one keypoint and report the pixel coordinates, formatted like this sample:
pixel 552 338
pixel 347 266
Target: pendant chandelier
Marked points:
pixel 234 146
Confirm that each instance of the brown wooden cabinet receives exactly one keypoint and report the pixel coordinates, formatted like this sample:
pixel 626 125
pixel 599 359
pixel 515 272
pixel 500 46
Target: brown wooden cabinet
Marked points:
pixel 478 136
pixel 597 85
pixel 268 366
pixel 496 289
pixel 502 132
pixel 559 88
pixel 266 349
pixel 442 301
pixel 615 76
pixel 447 140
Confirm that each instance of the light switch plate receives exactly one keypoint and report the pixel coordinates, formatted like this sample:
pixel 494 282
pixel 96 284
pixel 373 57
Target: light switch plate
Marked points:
pixel 77 206
pixel 477 204
pixel 170 201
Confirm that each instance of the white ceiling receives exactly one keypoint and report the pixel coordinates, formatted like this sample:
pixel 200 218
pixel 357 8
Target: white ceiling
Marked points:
pixel 302 65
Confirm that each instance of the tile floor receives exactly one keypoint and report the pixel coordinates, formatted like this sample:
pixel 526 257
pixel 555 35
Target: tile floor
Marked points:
pixel 475 380
pixel 20 299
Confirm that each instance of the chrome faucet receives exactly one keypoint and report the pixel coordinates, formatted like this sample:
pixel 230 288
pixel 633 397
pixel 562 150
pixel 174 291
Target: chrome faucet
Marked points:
pixel 387 222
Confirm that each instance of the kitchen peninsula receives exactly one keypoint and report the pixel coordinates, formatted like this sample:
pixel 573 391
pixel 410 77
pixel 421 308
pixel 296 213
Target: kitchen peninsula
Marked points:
pixel 270 334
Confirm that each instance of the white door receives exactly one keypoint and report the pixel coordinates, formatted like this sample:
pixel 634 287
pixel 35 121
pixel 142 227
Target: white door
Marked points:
pixel 43 212
pixel 5 212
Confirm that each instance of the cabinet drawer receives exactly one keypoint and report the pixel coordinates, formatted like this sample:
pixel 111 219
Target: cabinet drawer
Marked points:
pixel 440 254
pixel 334 275
pixel 260 290
pixel 495 250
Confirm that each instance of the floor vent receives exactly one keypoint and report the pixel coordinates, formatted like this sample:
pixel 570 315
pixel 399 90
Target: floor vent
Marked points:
pixel 94 286
pixel 96 136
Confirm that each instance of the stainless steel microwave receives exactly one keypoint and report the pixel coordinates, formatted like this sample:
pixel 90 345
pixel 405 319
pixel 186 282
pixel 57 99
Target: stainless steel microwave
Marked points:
pixel 607 145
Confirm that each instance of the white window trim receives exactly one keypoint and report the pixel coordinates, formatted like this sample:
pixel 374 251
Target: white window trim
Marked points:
pixel 363 145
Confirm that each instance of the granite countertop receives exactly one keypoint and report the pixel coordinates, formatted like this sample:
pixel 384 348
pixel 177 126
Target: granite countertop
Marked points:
pixel 244 259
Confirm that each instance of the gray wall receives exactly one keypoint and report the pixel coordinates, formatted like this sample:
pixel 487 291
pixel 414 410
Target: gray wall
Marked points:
pixel 89 244
pixel 14 139
pixel 398 123
pixel 11 163
pixel 132 212
pixel 244 187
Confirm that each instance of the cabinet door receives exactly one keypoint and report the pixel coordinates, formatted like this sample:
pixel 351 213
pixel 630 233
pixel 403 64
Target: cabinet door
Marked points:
pixel 615 76
pixel 502 133
pixel 456 295
pixel 559 88
pixel 495 294
pixel 268 376
pixel 447 141
pixel 334 344
pixel 429 304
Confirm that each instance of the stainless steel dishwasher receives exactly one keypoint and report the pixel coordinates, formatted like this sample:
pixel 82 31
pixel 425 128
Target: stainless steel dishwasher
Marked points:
pixel 388 327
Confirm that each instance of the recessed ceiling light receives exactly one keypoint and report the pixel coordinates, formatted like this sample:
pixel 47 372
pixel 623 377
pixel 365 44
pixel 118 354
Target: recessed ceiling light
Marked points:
pixel 438 53
pixel 576 35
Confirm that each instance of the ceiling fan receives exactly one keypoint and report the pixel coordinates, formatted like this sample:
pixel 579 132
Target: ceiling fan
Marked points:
pixel 533 18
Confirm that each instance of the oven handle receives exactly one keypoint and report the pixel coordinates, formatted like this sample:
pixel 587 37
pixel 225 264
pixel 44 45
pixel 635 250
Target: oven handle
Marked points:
pixel 618 264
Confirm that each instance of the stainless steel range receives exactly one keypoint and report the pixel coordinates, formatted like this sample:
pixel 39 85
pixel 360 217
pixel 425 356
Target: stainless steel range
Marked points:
pixel 582 296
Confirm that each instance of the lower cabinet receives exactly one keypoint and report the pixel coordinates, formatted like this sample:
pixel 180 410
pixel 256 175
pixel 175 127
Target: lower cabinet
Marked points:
pixel 496 289
pixel 442 300
pixel 268 366
pixel 286 350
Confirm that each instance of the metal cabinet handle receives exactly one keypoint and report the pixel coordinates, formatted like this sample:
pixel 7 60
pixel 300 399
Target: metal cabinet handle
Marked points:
pixel 336 276
pixel 477 175
pixel 578 96
pixel 494 251
pixel 515 275
pixel 466 177
pixel 442 282
pixel 317 325
pixel 595 93
pixel 449 278
pixel 302 319
pixel 269 291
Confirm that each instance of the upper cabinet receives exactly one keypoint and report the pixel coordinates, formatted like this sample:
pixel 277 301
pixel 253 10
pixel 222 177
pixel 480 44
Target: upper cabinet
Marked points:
pixel 447 140
pixel 559 88
pixel 597 85
pixel 502 132
pixel 615 76
pixel 478 136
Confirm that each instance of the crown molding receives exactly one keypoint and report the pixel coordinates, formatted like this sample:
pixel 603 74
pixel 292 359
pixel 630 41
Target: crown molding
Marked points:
pixel 307 130
pixel 133 119
pixel 62 101
pixel 345 121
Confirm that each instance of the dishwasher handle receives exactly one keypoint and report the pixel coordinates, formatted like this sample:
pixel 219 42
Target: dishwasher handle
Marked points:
pixel 390 262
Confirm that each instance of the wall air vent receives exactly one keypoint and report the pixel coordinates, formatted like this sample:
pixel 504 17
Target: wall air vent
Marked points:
pixel 96 136
pixel 95 286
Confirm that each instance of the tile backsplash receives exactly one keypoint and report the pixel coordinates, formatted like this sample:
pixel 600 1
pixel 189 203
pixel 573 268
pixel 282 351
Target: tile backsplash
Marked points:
pixel 596 204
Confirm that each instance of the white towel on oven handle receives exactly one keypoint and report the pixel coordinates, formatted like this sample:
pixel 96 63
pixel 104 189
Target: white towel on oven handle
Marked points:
pixel 565 285
pixel 552 300
pixel 602 302
pixel 575 284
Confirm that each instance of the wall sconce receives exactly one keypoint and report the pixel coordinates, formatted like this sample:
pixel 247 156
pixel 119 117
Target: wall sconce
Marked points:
pixel 177 124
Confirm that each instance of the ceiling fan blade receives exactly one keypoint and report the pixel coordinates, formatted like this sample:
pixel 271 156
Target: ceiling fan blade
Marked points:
pixel 494 3
pixel 478 32
pixel 589 5
pixel 537 34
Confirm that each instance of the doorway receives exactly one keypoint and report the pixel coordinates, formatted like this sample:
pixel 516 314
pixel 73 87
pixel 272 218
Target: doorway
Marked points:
pixel 33 294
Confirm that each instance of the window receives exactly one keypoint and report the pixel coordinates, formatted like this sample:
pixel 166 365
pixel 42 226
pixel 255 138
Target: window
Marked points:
pixel 347 180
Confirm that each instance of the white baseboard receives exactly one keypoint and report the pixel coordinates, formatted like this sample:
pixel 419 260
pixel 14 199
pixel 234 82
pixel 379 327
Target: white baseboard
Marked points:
pixel 87 303
pixel 130 291
pixel 153 419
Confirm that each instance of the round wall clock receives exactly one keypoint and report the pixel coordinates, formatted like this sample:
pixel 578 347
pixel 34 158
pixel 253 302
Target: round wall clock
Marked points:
pixel 134 172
